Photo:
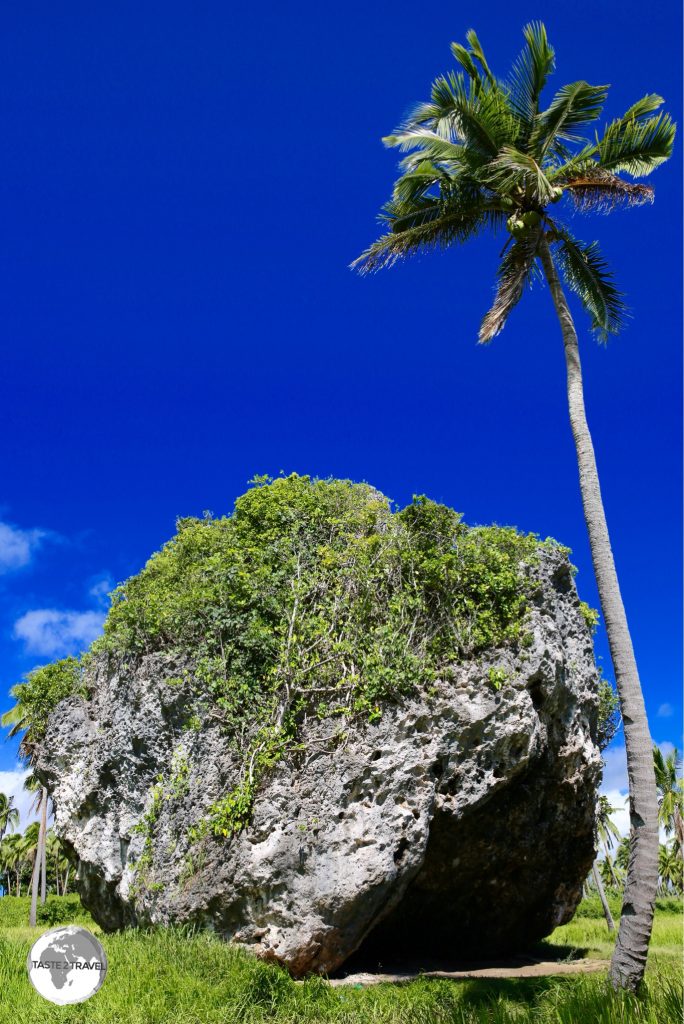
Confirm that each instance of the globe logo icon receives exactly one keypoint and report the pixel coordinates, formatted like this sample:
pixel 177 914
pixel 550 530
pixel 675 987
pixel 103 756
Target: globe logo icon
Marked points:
pixel 66 965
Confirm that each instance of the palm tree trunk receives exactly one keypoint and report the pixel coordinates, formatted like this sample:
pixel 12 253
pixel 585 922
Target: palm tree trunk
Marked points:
pixel 631 949
pixel 35 875
pixel 42 844
pixel 609 862
pixel 602 894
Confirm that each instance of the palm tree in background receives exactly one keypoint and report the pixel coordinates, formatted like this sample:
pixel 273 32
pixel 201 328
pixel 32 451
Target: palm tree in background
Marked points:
pixel 622 854
pixel 30 852
pixel 9 859
pixel 20 720
pixel 607 833
pixel 60 862
pixel 612 875
pixel 40 806
pixel 670 869
pixel 484 153
pixel 9 815
pixel 670 787
pixel 24 853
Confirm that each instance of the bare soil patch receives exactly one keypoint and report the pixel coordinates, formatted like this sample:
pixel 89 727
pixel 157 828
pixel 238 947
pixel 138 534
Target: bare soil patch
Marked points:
pixel 513 967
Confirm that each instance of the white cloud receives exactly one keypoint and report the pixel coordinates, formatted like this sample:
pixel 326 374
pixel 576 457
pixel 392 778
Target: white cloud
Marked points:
pixel 52 632
pixel 12 784
pixel 17 546
pixel 665 711
pixel 101 588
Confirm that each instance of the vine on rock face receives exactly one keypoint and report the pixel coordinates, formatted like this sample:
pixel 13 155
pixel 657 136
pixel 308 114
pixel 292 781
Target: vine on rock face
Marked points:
pixel 314 598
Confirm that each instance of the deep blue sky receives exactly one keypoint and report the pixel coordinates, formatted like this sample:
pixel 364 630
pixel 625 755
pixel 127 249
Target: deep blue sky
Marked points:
pixel 182 189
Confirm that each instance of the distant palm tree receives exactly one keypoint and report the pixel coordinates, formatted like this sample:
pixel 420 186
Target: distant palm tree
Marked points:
pixel 26 849
pixel 40 805
pixel 9 815
pixel 670 787
pixel 602 896
pixel 31 854
pixel 607 832
pixel 670 868
pixel 612 875
pixel 20 720
pixel 483 153
pixel 622 854
pixel 9 857
pixel 60 862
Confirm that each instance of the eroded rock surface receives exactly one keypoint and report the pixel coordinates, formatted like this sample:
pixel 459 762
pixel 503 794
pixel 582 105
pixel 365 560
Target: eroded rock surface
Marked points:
pixel 461 820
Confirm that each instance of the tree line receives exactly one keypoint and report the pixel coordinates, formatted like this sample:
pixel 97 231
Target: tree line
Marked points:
pixel 34 861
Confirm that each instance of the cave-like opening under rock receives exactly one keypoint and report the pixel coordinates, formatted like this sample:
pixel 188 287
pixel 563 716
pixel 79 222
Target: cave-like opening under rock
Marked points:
pixel 493 882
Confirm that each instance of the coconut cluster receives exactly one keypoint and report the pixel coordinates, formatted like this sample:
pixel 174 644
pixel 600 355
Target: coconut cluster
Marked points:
pixel 522 223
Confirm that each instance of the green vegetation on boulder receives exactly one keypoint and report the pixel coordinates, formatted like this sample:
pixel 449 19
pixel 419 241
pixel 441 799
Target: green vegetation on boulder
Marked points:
pixel 313 597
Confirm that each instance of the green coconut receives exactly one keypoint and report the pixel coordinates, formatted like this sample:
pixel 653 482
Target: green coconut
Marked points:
pixel 516 225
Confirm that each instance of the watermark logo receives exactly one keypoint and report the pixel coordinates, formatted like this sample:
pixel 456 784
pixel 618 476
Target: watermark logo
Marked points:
pixel 67 965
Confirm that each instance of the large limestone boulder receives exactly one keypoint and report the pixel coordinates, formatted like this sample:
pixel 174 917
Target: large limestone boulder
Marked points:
pixel 461 821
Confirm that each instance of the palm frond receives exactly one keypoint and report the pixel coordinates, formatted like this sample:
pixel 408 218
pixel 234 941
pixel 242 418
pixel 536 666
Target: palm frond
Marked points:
pixel 15 718
pixel 573 107
pixel 434 232
pixel 431 145
pixel 477 52
pixel 588 275
pixel 514 272
pixel 402 215
pixel 513 170
pixel 597 190
pixel 636 145
pixel 479 118
pixel 530 72
pixel 646 105
pixel 417 182
pixel 466 61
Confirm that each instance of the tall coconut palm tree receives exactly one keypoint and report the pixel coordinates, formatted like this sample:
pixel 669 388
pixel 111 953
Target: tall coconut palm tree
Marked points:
pixel 670 787
pixel 9 815
pixel 30 852
pixel 485 153
pixel 40 805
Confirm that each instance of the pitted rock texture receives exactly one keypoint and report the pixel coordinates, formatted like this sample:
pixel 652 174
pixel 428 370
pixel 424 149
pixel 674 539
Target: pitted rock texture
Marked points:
pixel 462 821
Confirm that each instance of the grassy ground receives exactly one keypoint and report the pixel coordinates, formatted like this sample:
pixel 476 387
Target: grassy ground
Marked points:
pixel 172 977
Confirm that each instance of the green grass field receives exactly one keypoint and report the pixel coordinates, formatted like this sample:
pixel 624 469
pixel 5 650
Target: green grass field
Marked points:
pixel 173 977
